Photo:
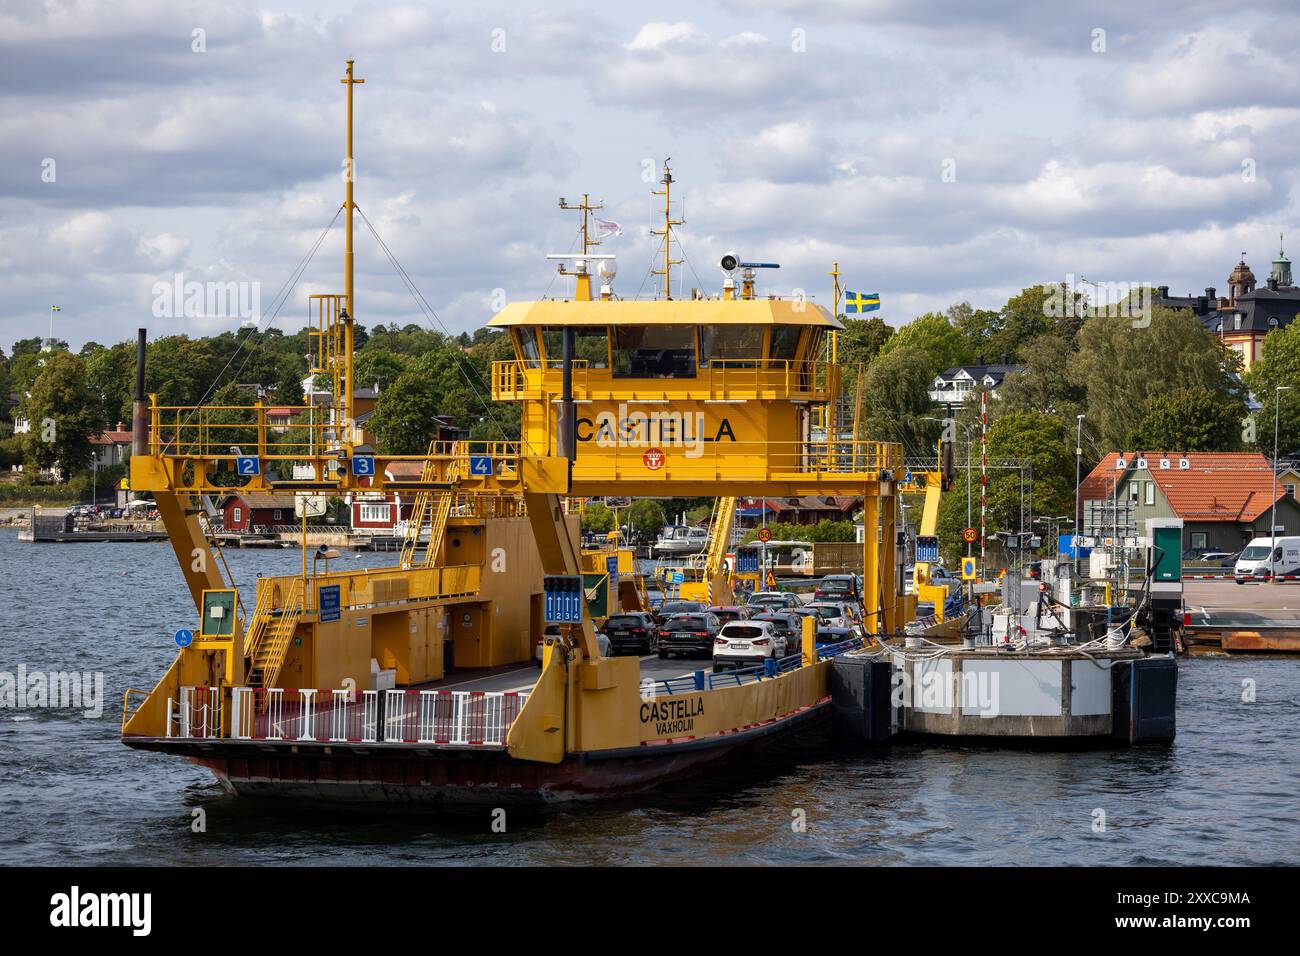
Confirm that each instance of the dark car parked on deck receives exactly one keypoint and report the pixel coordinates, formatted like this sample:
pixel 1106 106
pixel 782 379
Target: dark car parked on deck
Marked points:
pixel 726 613
pixel 669 608
pixel 635 631
pixel 689 634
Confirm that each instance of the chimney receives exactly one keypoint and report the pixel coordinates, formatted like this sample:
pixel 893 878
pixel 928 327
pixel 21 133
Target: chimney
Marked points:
pixel 1163 290
pixel 979 360
pixel 1006 359
pixel 1209 293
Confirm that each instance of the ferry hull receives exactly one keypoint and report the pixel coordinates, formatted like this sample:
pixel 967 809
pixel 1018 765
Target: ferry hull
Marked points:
pixel 340 773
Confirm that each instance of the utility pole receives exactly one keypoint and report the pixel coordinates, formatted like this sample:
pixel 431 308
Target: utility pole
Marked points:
pixel 1078 477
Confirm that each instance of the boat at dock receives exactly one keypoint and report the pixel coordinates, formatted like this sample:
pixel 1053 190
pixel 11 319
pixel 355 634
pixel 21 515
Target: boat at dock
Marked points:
pixel 379 684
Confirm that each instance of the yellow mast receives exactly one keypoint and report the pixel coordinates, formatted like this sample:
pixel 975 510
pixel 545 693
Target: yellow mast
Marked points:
pixel 835 345
pixel 349 175
pixel 667 231
pixel 586 206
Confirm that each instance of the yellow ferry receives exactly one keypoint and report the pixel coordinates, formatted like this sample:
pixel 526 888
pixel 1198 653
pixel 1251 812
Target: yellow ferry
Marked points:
pixel 333 684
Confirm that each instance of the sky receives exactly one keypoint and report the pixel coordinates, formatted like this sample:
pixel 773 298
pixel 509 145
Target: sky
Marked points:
pixel 940 151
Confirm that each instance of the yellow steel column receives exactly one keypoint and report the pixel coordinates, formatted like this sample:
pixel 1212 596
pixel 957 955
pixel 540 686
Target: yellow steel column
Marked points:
pixel 808 640
pixel 871 599
pixel 349 175
pixel 889 558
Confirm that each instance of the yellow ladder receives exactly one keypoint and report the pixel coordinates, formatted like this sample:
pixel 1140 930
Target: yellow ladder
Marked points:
pixel 270 634
pixel 440 503
pixel 715 556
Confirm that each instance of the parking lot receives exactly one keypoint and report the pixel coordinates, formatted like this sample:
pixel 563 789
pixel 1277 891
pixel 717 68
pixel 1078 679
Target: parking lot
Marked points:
pixel 1226 602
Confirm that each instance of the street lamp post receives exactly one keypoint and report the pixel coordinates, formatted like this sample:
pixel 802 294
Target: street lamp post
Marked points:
pixel 1272 518
pixel 1078 476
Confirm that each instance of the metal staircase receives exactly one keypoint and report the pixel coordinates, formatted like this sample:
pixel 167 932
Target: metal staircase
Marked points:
pixel 433 507
pixel 269 634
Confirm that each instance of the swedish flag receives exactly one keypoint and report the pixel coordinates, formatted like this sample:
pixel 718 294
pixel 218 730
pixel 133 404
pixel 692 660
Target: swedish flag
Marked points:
pixel 855 302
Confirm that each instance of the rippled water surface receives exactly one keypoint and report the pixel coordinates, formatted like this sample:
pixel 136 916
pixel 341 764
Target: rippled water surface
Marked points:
pixel 1224 793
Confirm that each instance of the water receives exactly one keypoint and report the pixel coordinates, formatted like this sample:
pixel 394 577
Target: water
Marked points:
pixel 1224 793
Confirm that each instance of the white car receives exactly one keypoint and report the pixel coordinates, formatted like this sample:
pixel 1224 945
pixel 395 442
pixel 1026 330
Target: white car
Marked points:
pixel 743 643
pixel 836 614
pixel 552 633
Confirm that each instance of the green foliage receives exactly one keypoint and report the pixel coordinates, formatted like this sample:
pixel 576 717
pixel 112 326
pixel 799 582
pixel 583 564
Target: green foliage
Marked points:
pixel 898 400
pixel 645 517
pixel 61 399
pixel 1278 365
pixel 934 336
pixel 1190 419
pixel 823 530
pixel 1125 369
pixel 597 519
pixel 377 365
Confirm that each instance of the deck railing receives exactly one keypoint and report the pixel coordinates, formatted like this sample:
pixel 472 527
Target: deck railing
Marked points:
pixel 438 717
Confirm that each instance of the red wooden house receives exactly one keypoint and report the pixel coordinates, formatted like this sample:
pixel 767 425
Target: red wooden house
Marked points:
pixel 256 512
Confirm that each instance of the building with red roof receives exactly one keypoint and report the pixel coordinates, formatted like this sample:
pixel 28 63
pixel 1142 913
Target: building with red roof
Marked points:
pixel 1224 498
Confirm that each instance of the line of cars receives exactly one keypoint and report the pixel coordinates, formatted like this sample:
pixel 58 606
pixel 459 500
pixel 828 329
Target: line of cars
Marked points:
pixel 769 625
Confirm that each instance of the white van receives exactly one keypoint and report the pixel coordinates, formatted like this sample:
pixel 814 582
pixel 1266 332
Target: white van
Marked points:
pixel 1268 557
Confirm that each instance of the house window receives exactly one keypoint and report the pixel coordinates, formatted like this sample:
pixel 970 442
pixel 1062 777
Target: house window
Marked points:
pixel 237 515
pixel 1199 539
pixel 1133 491
pixel 277 514
pixel 1236 323
pixel 1151 492
pixel 1289 489
pixel 376 513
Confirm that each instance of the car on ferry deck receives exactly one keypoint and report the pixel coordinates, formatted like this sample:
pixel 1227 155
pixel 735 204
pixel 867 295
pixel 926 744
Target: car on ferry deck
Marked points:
pixel 839 587
pixel 670 608
pixel 552 633
pixel 745 643
pixel 688 634
pixel 634 631
pixel 773 599
pixel 726 613
pixel 837 614
pixel 787 624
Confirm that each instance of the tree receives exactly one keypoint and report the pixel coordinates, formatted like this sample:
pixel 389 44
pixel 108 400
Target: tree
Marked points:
pixel 898 399
pixel 288 391
pixel 1278 365
pixel 645 517
pixel 404 415
pixel 977 327
pixel 380 366
pixel 936 338
pixel 862 340
pixel 597 519
pixel 62 412
pixel 110 374
pixel 1125 368
pixel 1190 419
pixel 1044 446
pixel 1045 383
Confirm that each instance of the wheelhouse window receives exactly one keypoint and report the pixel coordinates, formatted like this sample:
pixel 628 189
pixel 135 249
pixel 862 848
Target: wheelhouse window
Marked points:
pixel 730 346
pixel 590 347
pixel 654 351
pixel 785 343
pixel 526 342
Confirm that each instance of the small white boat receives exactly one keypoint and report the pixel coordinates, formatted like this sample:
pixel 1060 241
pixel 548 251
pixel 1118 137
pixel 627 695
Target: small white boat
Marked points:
pixel 681 539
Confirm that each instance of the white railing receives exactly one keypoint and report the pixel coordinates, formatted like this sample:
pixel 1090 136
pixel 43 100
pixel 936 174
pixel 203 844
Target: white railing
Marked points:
pixel 458 718
pixel 196 714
